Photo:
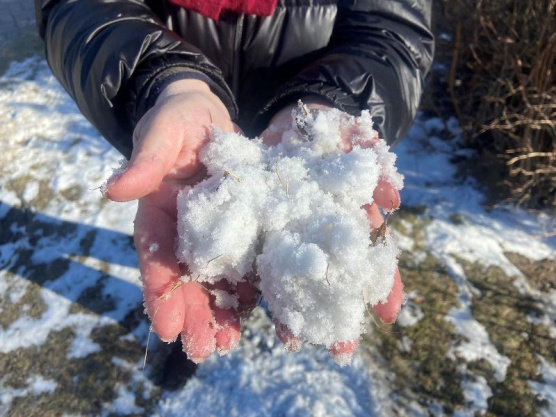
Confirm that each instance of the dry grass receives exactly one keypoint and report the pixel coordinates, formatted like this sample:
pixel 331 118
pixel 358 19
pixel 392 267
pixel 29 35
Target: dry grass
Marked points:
pixel 502 84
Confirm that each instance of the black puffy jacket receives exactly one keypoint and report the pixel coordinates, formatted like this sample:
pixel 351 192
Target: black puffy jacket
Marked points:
pixel 112 56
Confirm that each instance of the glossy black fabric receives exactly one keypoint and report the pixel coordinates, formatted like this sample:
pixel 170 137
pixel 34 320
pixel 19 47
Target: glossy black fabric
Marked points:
pixel 111 55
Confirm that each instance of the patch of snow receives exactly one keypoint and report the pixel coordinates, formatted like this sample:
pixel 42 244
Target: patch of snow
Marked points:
pixel 403 242
pixel 44 129
pixel 124 403
pixel 410 315
pixel 7 395
pixel 419 256
pixel 478 344
pixel 476 393
pixel 261 379
pixel 38 385
pixel 547 388
pixel 31 191
pixel 82 346
pixel 404 344
pixel 153 247
pixel 485 236
pixel 482 238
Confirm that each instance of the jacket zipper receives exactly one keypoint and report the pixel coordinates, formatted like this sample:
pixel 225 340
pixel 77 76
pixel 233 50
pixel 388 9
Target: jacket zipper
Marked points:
pixel 237 53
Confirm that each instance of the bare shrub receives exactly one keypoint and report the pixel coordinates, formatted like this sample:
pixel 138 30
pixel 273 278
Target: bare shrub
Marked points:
pixel 502 84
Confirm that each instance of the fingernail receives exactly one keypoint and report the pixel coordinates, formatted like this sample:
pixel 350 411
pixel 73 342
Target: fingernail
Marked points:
pixel 196 360
pixel 116 174
pixel 168 340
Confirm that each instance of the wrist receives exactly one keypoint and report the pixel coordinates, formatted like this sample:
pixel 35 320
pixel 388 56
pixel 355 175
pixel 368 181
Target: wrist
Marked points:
pixel 312 102
pixel 182 87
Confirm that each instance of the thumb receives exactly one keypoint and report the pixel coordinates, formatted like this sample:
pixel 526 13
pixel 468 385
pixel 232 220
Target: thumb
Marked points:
pixel 154 154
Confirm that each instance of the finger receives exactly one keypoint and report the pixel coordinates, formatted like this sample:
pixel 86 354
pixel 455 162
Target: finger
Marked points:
pixel 342 352
pixel 157 149
pixel 272 135
pixel 227 330
pixel 280 123
pixel 355 135
pixel 153 156
pixel 199 325
pixel 291 343
pixel 224 302
pixel 374 216
pixel 386 196
pixel 237 129
pixel 154 238
pixel 388 312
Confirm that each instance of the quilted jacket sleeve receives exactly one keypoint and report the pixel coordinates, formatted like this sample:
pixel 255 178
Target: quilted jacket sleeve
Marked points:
pixel 377 58
pixel 107 53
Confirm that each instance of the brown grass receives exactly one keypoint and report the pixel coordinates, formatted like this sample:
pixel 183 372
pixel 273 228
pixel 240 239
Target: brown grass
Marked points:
pixel 502 84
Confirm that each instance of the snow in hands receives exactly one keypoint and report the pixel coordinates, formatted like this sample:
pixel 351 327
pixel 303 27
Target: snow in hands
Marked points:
pixel 292 214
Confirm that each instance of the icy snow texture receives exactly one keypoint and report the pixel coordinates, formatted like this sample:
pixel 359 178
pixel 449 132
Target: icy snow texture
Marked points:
pixel 293 212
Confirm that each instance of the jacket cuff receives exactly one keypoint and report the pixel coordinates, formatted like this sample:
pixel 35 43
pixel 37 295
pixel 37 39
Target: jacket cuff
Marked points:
pixel 147 84
pixel 290 94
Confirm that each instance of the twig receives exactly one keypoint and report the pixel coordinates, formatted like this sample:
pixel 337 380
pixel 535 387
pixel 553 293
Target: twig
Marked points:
pixel 374 320
pixel 545 236
pixel 231 174
pixel 149 338
pixel 164 296
pixel 381 230
pixel 214 259
pixel 531 155
pixel 280 179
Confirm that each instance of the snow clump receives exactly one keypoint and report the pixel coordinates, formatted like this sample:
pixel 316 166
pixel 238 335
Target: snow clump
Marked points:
pixel 292 214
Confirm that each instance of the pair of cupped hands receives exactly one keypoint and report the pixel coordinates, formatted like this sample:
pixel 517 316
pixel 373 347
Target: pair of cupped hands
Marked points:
pixel 166 142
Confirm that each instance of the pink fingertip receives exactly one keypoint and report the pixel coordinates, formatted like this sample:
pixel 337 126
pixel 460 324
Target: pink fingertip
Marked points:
pixel 342 352
pixel 291 342
pixel 199 324
pixel 388 312
pixel 386 196
pixel 198 348
pixel 227 340
pixel 228 331
pixel 168 340
pixel 166 315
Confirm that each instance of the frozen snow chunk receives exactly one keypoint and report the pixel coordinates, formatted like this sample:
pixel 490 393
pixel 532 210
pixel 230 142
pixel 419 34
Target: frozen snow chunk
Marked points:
pixel 227 151
pixel 292 214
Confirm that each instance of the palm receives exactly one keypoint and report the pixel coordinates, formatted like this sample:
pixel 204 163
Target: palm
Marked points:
pixel 175 308
pixel 165 160
pixel 384 196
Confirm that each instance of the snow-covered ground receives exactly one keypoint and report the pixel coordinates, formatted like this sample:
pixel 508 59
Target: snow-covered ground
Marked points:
pixel 72 332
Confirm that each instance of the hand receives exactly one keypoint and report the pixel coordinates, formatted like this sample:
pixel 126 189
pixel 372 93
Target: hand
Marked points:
pixel 385 196
pixel 165 160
